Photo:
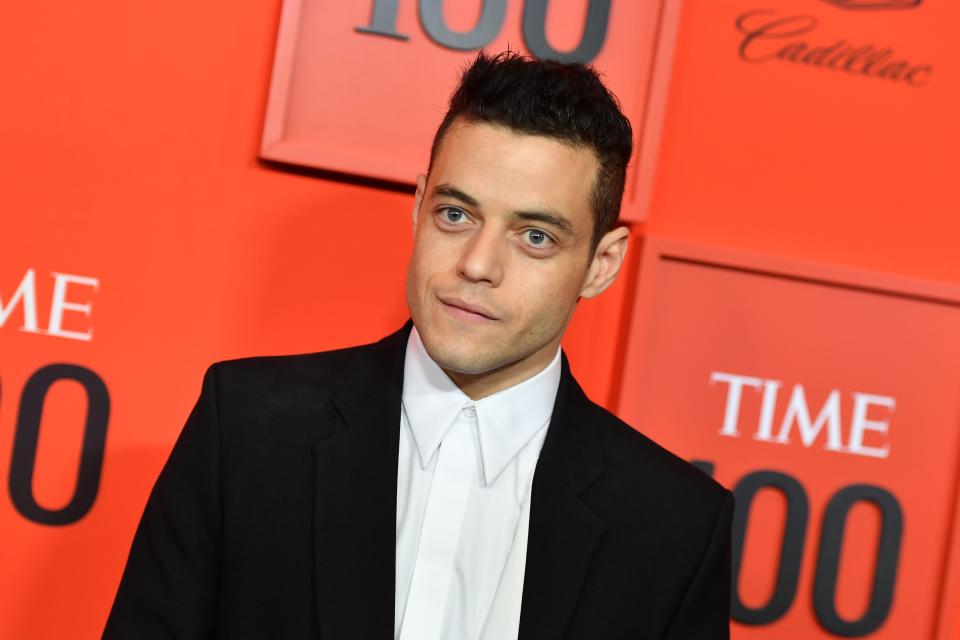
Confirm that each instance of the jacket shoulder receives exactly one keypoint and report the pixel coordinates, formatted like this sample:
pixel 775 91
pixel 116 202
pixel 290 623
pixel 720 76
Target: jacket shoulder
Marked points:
pixel 281 388
pixel 637 460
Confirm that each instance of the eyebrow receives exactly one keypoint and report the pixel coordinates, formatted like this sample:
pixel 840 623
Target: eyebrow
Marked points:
pixel 456 194
pixel 553 219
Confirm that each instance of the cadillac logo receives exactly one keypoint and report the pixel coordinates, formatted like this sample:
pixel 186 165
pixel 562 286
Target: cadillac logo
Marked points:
pixel 876 4
pixel 770 37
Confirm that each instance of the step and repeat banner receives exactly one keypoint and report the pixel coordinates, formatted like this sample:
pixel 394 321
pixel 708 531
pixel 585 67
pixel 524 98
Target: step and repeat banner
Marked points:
pixel 167 205
pixel 827 400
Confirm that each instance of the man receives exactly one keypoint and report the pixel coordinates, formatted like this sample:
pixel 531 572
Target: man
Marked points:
pixel 452 480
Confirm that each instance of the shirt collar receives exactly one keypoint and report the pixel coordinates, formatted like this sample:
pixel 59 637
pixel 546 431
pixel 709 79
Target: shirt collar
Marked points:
pixel 507 420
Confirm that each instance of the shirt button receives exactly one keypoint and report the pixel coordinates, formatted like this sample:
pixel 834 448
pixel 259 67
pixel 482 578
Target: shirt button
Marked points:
pixel 470 412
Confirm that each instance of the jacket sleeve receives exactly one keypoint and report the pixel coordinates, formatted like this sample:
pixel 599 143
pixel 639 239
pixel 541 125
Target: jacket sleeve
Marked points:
pixel 704 611
pixel 170 583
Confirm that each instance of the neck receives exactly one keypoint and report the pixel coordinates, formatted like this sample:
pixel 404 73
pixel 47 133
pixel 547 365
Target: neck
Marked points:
pixel 477 386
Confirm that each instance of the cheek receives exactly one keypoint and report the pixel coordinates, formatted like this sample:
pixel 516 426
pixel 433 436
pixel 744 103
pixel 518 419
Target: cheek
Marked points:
pixel 415 279
pixel 433 254
pixel 549 295
pixel 426 263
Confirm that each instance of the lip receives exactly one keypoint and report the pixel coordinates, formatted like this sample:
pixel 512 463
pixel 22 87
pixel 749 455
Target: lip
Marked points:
pixel 467 310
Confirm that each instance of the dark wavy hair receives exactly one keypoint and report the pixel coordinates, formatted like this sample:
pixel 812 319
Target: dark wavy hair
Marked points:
pixel 568 102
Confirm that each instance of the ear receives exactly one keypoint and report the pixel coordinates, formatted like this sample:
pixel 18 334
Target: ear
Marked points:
pixel 606 263
pixel 418 198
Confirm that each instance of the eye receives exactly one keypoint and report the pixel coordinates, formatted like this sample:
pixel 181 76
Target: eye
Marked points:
pixel 538 238
pixel 453 215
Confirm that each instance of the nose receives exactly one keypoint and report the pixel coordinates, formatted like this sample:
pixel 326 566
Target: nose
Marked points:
pixel 482 257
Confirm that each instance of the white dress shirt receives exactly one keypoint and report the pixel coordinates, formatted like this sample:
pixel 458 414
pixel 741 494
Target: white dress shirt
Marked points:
pixel 454 535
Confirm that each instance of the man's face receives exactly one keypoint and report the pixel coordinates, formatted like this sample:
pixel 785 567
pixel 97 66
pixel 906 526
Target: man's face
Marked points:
pixel 502 251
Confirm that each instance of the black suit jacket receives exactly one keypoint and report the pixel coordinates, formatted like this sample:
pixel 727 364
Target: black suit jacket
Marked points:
pixel 275 516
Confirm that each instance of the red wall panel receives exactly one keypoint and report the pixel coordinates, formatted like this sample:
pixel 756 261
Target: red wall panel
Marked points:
pixel 131 133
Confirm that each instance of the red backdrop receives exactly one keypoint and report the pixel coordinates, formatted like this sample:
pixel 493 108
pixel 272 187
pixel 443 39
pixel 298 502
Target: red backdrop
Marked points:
pixel 131 139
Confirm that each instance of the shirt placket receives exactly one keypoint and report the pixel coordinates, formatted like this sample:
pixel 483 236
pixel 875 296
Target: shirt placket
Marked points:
pixel 433 573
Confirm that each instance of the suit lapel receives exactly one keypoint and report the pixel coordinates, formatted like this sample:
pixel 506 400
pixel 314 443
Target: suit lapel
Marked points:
pixel 356 498
pixel 563 532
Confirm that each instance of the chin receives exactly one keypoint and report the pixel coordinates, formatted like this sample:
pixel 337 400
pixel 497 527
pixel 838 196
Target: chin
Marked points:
pixel 453 359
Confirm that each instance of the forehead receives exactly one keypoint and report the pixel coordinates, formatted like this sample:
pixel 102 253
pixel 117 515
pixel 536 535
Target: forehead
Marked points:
pixel 504 169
